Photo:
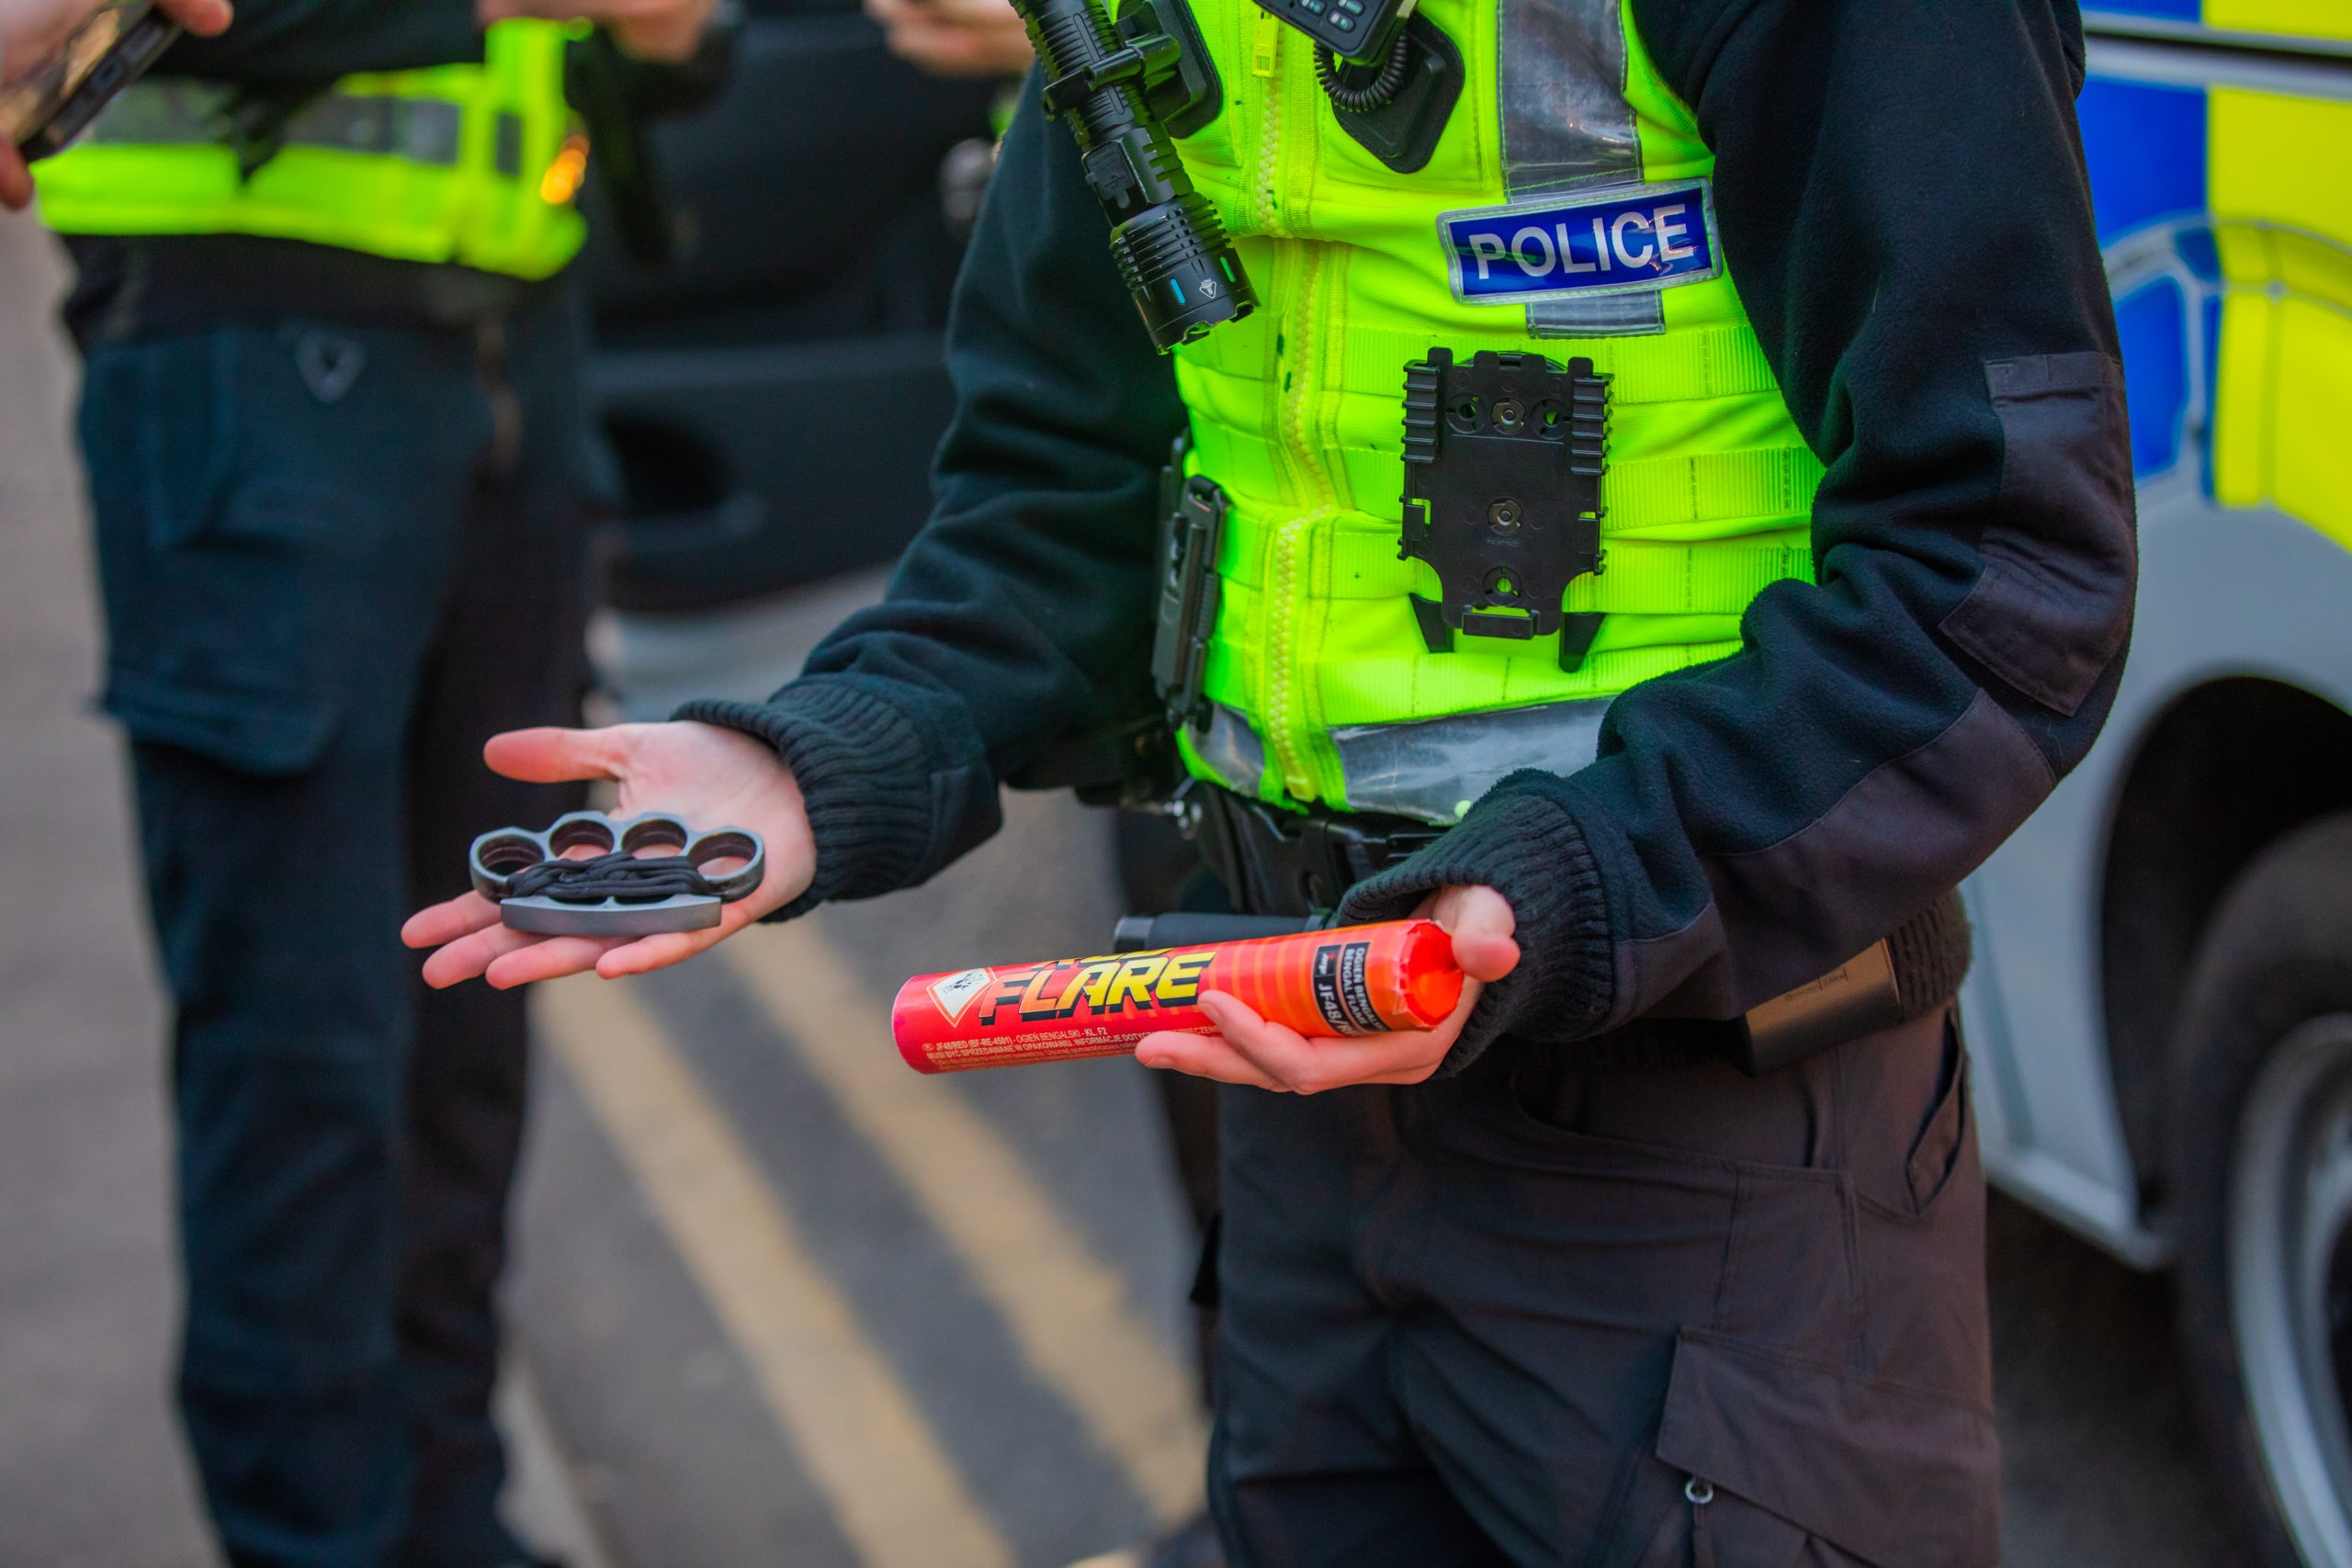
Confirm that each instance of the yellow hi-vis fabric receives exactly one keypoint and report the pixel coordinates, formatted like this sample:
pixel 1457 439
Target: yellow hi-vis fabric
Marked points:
pixel 2284 230
pixel 1298 411
pixel 471 164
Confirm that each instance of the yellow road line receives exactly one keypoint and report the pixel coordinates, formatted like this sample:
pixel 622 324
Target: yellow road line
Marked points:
pixel 1067 1309
pixel 896 1495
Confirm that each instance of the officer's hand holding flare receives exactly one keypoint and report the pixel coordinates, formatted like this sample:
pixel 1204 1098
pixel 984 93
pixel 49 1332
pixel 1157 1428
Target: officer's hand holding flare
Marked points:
pixel 697 771
pixel 1249 1049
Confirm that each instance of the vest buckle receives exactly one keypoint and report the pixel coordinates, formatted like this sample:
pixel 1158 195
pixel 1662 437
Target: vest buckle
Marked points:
pixel 1503 464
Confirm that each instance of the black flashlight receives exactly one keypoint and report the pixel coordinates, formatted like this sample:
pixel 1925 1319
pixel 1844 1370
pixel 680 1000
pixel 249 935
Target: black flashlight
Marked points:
pixel 1172 250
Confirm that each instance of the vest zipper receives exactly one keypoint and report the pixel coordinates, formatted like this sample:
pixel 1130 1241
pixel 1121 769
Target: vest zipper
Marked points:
pixel 1289 735
pixel 1266 64
pixel 1292 733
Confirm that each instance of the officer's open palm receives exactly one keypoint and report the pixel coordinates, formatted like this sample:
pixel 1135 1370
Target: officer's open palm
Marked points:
pixel 1249 1049
pixel 707 776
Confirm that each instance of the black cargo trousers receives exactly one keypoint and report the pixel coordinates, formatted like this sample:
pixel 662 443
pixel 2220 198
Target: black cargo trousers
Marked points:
pixel 1639 1318
pixel 335 558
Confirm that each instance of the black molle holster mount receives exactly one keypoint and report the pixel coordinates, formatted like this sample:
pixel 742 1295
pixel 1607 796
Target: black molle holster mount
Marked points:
pixel 1191 530
pixel 1503 463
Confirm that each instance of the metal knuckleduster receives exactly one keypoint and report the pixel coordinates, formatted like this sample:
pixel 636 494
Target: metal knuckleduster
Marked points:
pixel 542 882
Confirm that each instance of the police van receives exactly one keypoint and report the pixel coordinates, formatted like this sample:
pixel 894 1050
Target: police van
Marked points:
pixel 2161 1007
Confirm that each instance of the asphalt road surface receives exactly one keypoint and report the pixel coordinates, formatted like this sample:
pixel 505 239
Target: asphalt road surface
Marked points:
pixel 782 1302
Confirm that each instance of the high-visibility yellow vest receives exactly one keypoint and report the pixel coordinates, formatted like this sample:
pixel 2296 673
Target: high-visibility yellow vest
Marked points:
pixel 471 164
pixel 1321 688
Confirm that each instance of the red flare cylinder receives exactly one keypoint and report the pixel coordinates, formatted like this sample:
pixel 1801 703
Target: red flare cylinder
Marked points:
pixel 1353 980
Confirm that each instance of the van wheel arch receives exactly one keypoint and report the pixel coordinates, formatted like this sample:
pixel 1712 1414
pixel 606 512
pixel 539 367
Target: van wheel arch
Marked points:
pixel 2223 772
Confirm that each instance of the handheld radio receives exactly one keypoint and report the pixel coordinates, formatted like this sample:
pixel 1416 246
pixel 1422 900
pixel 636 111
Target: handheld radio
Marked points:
pixel 1360 32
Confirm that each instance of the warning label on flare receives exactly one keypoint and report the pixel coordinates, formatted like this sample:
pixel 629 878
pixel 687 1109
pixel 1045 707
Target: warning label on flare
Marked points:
pixel 1341 992
pixel 953 993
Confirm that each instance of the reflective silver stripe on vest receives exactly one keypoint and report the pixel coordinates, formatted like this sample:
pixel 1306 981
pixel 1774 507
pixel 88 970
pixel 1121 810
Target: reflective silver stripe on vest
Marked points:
pixel 1231 750
pixel 1431 769
pixel 415 130
pixel 1566 120
pixel 1567 125
pixel 1435 769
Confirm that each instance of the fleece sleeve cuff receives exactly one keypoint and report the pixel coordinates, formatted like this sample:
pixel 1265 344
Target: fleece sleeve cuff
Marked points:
pixel 1530 850
pixel 864 778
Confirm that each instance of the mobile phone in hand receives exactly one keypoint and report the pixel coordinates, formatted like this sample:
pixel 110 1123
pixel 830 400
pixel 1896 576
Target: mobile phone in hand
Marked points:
pixel 54 102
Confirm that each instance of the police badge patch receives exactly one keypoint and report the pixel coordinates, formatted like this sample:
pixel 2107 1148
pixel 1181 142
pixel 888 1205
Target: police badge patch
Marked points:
pixel 1607 241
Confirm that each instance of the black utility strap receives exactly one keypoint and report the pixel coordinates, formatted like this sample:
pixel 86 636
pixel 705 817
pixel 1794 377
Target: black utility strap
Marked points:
pixel 615 875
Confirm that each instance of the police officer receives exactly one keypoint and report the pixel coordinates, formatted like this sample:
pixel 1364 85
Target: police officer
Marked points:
pixel 340 472
pixel 1667 1247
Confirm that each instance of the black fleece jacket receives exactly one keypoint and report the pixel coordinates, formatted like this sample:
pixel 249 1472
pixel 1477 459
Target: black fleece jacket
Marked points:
pixel 1901 192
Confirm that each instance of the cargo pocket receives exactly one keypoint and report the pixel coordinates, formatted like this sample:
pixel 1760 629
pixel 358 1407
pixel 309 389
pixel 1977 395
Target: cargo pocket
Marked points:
pixel 253 730
pixel 1785 1448
pixel 1936 1154
pixel 249 555
pixel 1740 1246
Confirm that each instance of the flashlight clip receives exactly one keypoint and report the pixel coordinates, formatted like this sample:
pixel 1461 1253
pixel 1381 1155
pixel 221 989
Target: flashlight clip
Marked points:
pixel 1162 55
pixel 1145 60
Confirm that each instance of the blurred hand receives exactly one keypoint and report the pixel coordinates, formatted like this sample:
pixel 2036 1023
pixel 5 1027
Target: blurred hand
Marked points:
pixel 956 38
pixel 31 31
pixel 651 29
pixel 707 776
pixel 1249 1049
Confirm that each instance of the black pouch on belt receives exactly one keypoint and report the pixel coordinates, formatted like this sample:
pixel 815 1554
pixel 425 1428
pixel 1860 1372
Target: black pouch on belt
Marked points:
pixel 1277 862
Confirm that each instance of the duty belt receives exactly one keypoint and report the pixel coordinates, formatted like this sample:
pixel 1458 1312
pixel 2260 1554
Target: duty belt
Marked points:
pixel 1285 863
pixel 1291 863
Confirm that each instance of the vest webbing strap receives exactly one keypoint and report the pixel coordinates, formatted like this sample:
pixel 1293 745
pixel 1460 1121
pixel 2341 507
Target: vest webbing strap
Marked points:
pixel 1678 367
pixel 1737 491
pixel 1675 579
pixel 1392 688
pixel 1712 487
pixel 1637 578
pixel 178 114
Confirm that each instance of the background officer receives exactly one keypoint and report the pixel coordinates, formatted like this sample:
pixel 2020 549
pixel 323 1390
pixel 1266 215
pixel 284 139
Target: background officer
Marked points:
pixel 1556 1281
pixel 340 470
